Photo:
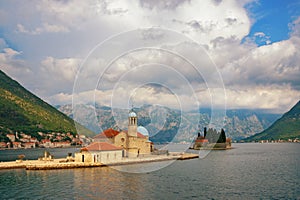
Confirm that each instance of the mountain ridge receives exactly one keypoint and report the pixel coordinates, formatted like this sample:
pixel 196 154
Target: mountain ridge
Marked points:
pixel 163 123
pixel 286 127
pixel 22 111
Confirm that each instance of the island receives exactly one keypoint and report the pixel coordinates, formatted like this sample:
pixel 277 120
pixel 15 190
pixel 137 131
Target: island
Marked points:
pixel 109 148
pixel 212 140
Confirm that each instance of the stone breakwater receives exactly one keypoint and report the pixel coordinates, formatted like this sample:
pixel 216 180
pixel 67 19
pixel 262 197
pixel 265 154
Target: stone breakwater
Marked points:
pixel 53 164
pixel 63 164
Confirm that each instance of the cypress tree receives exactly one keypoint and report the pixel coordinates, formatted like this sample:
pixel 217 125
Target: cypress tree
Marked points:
pixel 223 135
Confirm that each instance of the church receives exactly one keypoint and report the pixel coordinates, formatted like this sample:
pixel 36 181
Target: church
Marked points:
pixel 111 145
pixel 134 141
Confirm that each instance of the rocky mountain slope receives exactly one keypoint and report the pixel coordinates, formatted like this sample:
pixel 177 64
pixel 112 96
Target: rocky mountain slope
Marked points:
pixel 166 125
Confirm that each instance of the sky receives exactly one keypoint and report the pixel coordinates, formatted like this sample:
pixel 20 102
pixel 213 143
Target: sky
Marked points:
pixel 242 54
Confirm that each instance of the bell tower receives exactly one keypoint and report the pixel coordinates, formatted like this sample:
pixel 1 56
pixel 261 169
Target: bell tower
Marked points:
pixel 132 124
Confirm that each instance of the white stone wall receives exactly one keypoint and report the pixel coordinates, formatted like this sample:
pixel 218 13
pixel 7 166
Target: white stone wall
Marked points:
pixel 105 157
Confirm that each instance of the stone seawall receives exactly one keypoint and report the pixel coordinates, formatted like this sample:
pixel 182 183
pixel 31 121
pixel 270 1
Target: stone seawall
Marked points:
pixel 63 164
pixel 41 165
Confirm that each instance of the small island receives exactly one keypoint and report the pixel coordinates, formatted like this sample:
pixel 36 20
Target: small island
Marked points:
pixel 212 140
pixel 110 148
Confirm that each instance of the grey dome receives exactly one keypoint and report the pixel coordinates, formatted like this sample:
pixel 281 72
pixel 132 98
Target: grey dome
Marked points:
pixel 132 114
pixel 143 130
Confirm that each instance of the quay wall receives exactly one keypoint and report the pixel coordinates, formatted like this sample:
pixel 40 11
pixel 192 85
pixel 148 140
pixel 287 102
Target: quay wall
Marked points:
pixel 63 164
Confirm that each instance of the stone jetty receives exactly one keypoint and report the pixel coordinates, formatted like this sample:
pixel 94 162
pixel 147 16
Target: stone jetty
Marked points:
pixel 66 164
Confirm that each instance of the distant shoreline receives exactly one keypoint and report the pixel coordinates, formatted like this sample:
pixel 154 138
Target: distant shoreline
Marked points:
pixel 69 147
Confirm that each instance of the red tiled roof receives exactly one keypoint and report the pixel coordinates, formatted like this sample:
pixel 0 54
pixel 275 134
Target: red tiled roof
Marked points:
pixel 101 146
pixel 140 135
pixel 202 140
pixel 3 144
pixel 16 142
pixel 108 133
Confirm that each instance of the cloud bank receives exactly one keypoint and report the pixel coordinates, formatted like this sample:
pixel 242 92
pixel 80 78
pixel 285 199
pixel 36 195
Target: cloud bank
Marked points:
pixel 44 43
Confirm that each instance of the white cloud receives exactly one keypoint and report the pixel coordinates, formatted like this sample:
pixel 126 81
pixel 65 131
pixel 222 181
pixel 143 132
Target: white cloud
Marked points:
pixel 53 37
pixel 272 64
pixel 9 53
pixel 259 34
pixel 203 21
pixel 295 27
pixel 277 98
pixel 14 66
pixel 64 69
pixel 50 28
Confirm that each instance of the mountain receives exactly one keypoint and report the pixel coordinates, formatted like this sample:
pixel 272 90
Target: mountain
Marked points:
pixel 287 127
pixel 21 111
pixel 165 124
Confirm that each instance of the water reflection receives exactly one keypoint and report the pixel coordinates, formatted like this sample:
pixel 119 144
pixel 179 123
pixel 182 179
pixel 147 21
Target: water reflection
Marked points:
pixel 107 183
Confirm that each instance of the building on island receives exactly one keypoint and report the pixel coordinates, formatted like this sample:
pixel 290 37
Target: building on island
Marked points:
pixel 102 152
pixel 112 145
pixel 211 139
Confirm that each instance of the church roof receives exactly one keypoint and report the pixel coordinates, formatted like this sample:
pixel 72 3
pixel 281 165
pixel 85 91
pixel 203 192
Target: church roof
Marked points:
pixel 101 146
pixel 140 135
pixel 108 133
pixel 143 130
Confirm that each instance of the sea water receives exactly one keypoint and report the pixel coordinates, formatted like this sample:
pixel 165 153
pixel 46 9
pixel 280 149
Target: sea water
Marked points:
pixel 248 171
pixel 35 153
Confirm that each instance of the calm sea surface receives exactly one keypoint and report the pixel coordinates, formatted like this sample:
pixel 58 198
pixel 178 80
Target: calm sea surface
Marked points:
pixel 249 171
pixel 33 154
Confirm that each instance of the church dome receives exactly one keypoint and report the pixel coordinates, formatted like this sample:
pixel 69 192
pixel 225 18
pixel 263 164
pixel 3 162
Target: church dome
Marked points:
pixel 132 114
pixel 143 130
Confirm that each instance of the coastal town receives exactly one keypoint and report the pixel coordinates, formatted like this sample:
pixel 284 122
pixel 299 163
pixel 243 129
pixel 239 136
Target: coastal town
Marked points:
pixel 43 140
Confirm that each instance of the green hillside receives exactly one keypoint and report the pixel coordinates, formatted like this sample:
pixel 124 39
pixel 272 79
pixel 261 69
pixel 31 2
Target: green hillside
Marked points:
pixel 22 111
pixel 287 127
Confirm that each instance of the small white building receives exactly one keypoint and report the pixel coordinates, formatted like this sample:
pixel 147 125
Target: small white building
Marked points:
pixel 100 152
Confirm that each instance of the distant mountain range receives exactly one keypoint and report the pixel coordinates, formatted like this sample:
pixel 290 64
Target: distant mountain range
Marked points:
pixel 287 127
pixel 166 125
pixel 21 111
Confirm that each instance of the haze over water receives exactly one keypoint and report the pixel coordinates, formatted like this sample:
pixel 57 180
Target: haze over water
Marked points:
pixel 249 171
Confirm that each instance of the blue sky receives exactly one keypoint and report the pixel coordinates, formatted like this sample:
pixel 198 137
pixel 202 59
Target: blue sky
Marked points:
pixel 272 17
pixel 254 44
